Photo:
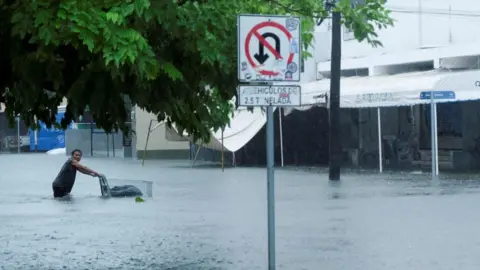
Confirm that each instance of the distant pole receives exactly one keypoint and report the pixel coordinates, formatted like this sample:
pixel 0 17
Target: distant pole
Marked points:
pixel 380 148
pixel 434 136
pixel 334 114
pixel 280 127
pixel 18 134
pixel 146 143
pixel 108 145
pixel 113 143
pixel 35 135
pixel 223 151
pixel 91 138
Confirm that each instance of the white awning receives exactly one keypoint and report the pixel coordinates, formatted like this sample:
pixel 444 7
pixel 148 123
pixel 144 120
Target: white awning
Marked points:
pixel 398 90
pixel 244 125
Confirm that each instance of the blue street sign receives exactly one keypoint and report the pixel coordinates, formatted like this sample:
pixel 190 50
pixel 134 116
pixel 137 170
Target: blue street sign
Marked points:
pixel 437 95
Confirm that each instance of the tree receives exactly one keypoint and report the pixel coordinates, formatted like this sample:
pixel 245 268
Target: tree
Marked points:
pixel 164 55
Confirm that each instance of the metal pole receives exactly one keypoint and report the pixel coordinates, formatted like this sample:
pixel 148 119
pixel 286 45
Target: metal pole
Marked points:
pixel 91 138
pixel 335 152
pixel 113 144
pixel 146 142
pixel 133 133
pixel 223 154
pixel 433 135
pixel 436 137
pixel 190 152
pixel 35 139
pixel 380 148
pixel 270 189
pixel 196 154
pixel 280 111
pixel 18 134
pixel 108 145
pixel 35 135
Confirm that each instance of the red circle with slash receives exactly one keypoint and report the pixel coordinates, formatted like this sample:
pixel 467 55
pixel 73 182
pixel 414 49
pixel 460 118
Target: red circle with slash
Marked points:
pixel 262 40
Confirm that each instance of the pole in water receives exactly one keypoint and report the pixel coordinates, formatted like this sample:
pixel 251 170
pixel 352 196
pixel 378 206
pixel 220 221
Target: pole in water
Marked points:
pixel 223 153
pixel 146 142
pixel 433 136
pixel 91 138
pixel 334 113
pixel 380 148
pixel 270 189
pixel 18 134
pixel 113 144
pixel 435 123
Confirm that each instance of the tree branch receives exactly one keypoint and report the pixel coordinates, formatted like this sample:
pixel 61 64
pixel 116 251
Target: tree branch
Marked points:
pixel 289 8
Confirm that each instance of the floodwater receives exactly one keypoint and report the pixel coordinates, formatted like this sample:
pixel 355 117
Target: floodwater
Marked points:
pixel 202 218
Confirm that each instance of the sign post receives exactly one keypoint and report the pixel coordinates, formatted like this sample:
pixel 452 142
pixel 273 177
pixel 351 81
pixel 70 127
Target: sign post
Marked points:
pixel 269 51
pixel 432 96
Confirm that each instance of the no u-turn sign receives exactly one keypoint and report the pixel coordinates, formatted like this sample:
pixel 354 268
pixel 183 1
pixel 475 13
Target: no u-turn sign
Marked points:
pixel 269 48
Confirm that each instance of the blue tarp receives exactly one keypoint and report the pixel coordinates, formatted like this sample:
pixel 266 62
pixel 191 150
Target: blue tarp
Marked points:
pixel 48 139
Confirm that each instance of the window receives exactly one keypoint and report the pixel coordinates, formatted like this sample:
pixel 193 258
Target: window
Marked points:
pixel 347 33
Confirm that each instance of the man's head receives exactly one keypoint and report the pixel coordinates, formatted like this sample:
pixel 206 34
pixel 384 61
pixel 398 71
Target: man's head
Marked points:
pixel 77 154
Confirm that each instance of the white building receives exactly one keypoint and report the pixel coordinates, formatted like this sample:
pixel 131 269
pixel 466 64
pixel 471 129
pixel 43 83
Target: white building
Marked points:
pixel 424 30
pixel 429 39
pixel 158 147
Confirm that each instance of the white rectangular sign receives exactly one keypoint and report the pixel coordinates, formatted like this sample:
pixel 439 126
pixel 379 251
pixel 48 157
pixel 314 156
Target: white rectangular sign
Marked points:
pixel 266 95
pixel 269 48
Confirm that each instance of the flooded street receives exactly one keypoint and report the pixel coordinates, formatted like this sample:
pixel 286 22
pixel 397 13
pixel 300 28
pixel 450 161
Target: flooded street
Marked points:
pixel 202 218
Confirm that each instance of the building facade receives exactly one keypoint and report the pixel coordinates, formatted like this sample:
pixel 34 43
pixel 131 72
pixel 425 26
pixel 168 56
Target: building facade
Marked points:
pixel 427 36
pixel 162 142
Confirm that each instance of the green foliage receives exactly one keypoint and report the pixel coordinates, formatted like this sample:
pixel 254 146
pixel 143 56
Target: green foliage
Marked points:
pixel 159 54
pixel 365 19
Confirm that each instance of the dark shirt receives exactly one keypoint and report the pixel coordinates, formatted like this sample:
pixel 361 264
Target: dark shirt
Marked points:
pixel 66 177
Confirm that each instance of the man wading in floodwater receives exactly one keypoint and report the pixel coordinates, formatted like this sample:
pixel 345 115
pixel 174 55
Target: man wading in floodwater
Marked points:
pixel 63 184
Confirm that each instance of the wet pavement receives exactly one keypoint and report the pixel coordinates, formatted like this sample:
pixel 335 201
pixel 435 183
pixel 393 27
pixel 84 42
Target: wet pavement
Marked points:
pixel 202 218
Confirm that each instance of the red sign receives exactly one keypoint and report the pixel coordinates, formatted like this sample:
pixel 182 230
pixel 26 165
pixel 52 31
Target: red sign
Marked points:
pixel 262 40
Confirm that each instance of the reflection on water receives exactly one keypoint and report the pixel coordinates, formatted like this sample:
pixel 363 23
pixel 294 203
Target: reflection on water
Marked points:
pixel 206 219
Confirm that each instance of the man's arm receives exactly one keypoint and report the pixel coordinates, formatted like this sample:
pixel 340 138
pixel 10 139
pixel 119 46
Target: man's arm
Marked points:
pixel 84 169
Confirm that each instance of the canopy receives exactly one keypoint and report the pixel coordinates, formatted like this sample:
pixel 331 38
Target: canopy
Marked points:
pixel 399 90
pixel 244 125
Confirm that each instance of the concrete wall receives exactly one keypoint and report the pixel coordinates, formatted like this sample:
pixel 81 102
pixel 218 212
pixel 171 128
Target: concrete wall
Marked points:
pixel 158 146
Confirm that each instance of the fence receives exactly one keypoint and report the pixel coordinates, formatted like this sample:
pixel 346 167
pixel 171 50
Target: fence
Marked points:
pixel 94 142
pixel 14 139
